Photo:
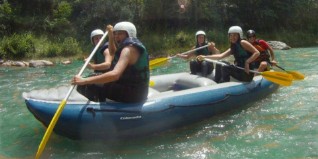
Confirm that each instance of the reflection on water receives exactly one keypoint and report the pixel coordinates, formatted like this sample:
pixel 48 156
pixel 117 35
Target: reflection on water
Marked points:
pixel 283 125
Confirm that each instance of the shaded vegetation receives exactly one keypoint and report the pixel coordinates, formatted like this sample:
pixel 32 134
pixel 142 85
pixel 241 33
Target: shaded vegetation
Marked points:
pixel 53 28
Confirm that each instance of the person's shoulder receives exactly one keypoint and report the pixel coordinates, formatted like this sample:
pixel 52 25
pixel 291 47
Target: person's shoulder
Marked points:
pixel 134 49
pixel 105 46
pixel 245 42
pixel 263 42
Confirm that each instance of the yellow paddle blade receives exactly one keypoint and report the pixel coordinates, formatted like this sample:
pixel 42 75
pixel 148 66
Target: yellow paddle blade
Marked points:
pixel 280 78
pixel 151 83
pixel 296 75
pixel 158 62
pixel 50 129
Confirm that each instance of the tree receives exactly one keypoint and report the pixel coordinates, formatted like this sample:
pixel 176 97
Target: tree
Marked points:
pixel 6 16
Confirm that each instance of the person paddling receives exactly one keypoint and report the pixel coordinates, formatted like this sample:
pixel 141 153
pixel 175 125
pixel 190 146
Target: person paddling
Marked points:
pixel 203 67
pixel 102 58
pixel 128 79
pixel 263 62
pixel 244 54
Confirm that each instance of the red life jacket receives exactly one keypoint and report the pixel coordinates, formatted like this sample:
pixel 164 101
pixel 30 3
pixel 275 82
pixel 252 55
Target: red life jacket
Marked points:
pixel 264 55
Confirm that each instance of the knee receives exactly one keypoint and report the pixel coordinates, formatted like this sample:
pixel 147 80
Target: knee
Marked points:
pixel 263 64
pixel 225 68
pixel 193 67
pixel 193 62
pixel 81 88
pixel 204 63
pixel 207 64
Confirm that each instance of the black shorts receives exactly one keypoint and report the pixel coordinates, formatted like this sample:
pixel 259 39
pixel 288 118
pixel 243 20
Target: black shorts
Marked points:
pixel 223 73
pixel 203 67
pixel 114 91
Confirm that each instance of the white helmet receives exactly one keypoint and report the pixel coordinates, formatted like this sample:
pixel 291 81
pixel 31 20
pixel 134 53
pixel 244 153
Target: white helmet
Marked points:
pixel 128 27
pixel 236 29
pixel 200 32
pixel 96 32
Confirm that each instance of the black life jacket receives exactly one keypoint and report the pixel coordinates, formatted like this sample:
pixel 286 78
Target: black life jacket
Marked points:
pixel 204 51
pixel 99 57
pixel 240 54
pixel 138 74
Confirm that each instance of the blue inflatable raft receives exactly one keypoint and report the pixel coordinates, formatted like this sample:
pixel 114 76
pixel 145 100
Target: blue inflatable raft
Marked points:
pixel 174 100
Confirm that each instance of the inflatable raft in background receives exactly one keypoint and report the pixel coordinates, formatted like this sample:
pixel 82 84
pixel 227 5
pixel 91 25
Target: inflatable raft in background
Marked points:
pixel 174 100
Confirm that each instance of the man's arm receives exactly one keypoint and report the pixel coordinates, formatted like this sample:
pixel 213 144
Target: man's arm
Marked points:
pixel 111 42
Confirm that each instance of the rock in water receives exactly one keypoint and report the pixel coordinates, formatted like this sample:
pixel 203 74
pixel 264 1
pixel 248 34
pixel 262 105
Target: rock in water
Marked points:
pixel 278 45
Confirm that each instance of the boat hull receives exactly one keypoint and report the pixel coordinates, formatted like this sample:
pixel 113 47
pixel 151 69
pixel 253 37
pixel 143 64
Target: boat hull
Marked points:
pixel 91 120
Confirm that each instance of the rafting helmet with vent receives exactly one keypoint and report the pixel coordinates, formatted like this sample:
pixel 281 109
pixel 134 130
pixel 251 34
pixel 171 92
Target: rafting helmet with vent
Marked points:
pixel 250 33
pixel 236 29
pixel 200 32
pixel 95 33
pixel 128 27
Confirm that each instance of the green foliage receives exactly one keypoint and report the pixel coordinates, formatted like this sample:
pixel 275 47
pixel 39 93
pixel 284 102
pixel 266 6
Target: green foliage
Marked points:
pixel 289 38
pixel 168 43
pixel 63 10
pixel 68 47
pixel 183 39
pixel 53 50
pixel 5 17
pixel 17 46
pixel 219 38
pixel 156 43
pixel 161 25
pixel 5 9
pixel 59 24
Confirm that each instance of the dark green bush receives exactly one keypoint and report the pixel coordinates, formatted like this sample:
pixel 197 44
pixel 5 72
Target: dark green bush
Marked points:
pixel 17 46
pixel 220 38
pixel 70 47
pixel 184 40
pixel 53 50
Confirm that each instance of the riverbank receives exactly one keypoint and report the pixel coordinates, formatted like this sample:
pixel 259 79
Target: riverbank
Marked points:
pixel 31 63
pixel 277 45
pixel 158 44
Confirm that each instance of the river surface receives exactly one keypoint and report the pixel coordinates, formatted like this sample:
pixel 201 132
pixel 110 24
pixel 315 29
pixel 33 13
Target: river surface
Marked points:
pixel 282 125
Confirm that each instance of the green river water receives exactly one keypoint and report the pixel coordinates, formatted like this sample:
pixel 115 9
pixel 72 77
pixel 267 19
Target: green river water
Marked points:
pixel 282 125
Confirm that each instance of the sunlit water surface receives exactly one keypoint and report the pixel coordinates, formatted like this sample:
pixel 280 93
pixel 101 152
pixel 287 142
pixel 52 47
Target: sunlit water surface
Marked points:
pixel 282 125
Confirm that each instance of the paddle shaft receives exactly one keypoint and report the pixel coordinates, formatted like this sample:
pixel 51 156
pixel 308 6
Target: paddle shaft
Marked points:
pixel 275 77
pixel 224 64
pixel 160 61
pixel 281 68
pixel 63 103
pixel 196 49
pixel 278 67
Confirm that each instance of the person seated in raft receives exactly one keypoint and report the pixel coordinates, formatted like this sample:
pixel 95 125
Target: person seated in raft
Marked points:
pixel 128 79
pixel 102 58
pixel 263 62
pixel 244 54
pixel 205 68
